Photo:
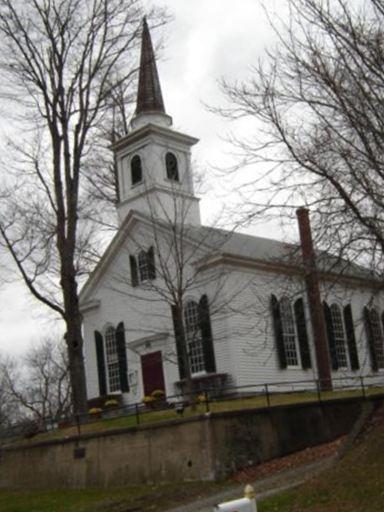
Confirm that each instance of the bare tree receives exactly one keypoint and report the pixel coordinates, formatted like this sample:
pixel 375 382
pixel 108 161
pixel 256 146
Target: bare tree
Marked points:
pixel 61 63
pixel 318 138
pixel 39 383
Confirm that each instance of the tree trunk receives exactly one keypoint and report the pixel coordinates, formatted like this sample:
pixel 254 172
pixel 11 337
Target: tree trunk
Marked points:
pixel 188 374
pixel 74 340
pixel 183 348
pixel 187 368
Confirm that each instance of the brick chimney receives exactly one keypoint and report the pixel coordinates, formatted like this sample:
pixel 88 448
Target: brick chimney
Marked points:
pixel 314 301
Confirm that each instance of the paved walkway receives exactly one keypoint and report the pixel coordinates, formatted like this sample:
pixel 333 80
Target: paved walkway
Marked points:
pixel 264 487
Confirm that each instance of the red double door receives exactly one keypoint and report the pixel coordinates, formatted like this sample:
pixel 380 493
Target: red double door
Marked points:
pixel 152 371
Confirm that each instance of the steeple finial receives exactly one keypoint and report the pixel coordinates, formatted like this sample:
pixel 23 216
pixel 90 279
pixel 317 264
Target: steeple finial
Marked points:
pixel 149 97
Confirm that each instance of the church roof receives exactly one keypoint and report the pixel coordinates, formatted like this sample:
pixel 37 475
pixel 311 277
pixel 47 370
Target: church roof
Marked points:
pixel 149 96
pixel 224 246
pixel 275 252
pixel 239 244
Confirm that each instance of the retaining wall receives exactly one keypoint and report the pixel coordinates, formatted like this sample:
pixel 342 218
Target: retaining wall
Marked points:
pixel 201 448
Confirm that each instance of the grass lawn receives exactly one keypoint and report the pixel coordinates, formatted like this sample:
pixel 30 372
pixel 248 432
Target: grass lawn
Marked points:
pixel 355 484
pixel 130 499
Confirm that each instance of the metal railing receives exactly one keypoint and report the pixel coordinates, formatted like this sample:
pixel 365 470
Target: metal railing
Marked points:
pixel 206 401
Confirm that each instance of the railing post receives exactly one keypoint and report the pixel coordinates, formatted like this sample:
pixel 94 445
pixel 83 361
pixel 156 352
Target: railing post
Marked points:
pixel 206 399
pixel 267 395
pixel 78 424
pixel 318 390
pixel 137 413
pixel 362 387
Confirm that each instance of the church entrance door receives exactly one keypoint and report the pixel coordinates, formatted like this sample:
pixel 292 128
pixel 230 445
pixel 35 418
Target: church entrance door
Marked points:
pixel 152 371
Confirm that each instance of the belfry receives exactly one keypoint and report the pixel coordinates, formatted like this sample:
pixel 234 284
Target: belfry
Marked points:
pixel 153 160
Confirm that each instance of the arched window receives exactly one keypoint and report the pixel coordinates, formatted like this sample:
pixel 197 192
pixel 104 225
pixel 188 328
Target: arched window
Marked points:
pixel 172 167
pixel 193 337
pixel 144 270
pixel 288 332
pixel 377 337
pixel 339 336
pixel 136 170
pixel 112 360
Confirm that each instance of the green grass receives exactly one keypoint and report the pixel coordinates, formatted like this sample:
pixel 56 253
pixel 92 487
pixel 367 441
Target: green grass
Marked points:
pixel 132 498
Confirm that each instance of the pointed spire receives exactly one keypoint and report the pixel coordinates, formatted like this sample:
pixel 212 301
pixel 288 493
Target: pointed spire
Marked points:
pixel 149 97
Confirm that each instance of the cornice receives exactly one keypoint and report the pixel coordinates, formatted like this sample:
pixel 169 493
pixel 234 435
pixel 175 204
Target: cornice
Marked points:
pixel 90 305
pixel 284 268
pixel 157 188
pixel 152 129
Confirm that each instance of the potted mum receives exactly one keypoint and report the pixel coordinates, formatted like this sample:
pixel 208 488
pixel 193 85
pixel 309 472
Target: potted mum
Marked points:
pixel 95 412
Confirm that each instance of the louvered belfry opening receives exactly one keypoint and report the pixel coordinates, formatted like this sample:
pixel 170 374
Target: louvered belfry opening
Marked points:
pixel 314 301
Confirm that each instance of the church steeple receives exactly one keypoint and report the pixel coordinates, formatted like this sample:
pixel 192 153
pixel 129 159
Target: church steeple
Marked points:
pixel 154 160
pixel 149 103
pixel 149 97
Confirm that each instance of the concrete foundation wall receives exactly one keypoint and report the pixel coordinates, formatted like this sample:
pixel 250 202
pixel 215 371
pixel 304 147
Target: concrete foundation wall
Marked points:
pixel 202 448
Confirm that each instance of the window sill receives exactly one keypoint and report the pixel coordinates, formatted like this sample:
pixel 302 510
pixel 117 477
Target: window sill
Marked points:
pixel 172 181
pixel 198 375
pixel 145 282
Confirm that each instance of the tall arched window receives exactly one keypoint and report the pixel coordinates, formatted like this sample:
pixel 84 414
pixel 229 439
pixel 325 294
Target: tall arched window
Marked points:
pixel 288 332
pixel 172 167
pixel 136 170
pixel 339 336
pixel 112 360
pixel 193 337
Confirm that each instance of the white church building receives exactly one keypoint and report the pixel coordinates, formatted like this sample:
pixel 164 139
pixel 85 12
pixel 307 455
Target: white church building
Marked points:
pixel 241 310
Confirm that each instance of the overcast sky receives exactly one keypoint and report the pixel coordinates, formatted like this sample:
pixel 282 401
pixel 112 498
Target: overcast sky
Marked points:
pixel 207 40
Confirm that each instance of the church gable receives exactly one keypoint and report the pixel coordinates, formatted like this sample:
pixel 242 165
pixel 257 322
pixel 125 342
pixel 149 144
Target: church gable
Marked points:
pixel 143 255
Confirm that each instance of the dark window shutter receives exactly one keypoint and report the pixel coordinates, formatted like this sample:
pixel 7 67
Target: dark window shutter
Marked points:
pixel 122 356
pixel 302 334
pixel 134 274
pixel 351 340
pixel 151 263
pixel 330 336
pixel 206 334
pixel 100 363
pixel 370 339
pixel 178 328
pixel 278 332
